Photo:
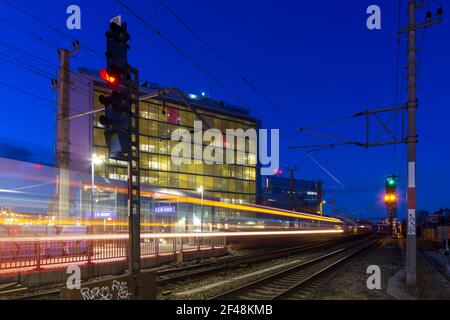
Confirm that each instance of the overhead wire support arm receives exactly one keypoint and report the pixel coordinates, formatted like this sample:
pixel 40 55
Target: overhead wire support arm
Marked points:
pixel 333 137
pixel 418 26
pixel 368 142
pixel 325 146
pixel 185 99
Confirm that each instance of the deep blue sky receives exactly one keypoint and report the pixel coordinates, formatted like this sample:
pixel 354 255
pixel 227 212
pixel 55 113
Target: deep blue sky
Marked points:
pixel 315 59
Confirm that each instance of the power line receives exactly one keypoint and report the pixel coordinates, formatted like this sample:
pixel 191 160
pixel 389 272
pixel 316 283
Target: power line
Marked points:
pixel 43 22
pixel 37 37
pixel 277 109
pixel 55 67
pixel 38 71
pixel 48 43
pixel 25 65
pixel 26 92
pixel 180 51
pixel 24 52
pixel 226 62
pixel 287 119
pixel 397 83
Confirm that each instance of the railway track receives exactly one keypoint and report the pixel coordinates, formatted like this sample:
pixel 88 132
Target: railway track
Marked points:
pixel 174 275
pixel 16 291
pixel 47 295
pixel 184 273
pixel 284 284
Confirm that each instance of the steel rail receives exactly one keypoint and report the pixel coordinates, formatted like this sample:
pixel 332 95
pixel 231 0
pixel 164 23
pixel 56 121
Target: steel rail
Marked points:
pixel 234 293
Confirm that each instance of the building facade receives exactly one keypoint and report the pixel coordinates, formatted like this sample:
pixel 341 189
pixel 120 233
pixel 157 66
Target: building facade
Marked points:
pixel 160 116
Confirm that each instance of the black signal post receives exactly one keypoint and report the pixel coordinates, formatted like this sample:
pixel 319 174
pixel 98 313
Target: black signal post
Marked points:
pixel 121 130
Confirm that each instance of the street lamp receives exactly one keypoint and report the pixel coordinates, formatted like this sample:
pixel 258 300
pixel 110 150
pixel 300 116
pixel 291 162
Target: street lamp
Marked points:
pixel 201 190
pixel 321 207
pixel 96 160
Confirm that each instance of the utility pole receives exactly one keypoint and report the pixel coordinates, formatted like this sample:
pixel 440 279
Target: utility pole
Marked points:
pixel 63 132
pixel 411 151
pixel 412 138
pixel 292 187
pixel 318 186
pixel 333 203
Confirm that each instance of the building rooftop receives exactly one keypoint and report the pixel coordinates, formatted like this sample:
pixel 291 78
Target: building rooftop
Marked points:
pixel 202 100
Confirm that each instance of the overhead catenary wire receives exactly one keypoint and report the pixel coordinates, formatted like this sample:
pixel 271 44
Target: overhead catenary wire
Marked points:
pixel 24 65
pixel 43 22
pixel 7 85
pixel 198 65
pixel 397 83
pixel 145 23
pixel 158 32
pixel 152 28
pixel 182 52
pixel 38 71
pixel 55 67
pixel 286 118
pixel 40 38
pixel 31 94
pixel 228 64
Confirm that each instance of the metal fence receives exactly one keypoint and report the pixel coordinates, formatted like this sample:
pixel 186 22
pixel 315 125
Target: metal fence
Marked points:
pixel 37 254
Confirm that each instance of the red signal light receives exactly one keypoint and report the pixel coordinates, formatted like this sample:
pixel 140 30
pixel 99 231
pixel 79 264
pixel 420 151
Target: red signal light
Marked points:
pixel 107 77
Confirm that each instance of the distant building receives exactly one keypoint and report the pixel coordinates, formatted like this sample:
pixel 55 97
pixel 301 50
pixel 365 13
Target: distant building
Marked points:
pixel 440 217
pixel 276 192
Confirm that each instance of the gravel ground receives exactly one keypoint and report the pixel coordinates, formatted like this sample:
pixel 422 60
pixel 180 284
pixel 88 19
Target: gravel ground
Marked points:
pixel 348 282
pixel 431 285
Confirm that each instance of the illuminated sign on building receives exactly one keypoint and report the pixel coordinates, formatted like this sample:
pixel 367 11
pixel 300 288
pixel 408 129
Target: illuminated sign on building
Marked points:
pixel 102 214
pixel 164 209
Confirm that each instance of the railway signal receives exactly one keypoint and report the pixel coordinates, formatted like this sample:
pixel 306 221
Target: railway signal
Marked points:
pixel 116 119
pixel 390 198
pixel 391 191
pixel 121 122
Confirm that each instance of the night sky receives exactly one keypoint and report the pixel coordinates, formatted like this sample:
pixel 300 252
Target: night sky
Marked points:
pixel 316 60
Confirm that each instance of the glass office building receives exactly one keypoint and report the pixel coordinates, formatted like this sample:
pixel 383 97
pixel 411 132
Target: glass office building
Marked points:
pixel 159 117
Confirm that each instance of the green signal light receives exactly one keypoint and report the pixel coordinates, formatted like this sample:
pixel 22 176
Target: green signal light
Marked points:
pixel 391 181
